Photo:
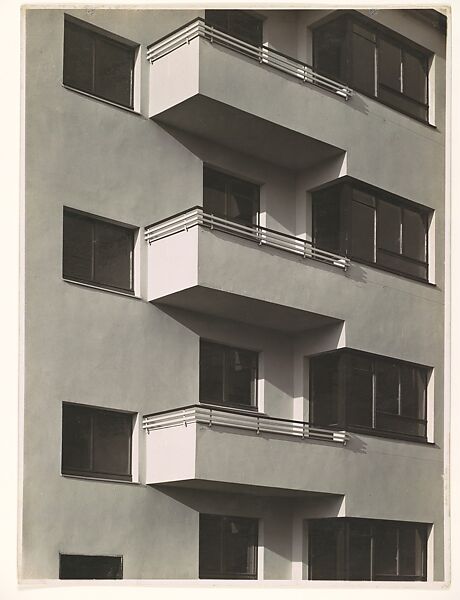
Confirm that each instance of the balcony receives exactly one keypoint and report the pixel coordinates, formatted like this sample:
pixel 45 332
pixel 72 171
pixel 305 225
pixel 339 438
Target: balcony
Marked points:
pixel 191 446
pixel 208 264
pixel 218 87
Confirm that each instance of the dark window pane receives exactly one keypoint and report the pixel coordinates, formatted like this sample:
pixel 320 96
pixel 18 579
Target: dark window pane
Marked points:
pixel 113 70
pixel 73 566
pixel 228 547
pixel 326 219
pixel 359 552
pixel 230 198
pixel 78 247
pixel 214 192
pixel 210 545
pixel 363 61
pixel 240 377
pixel 397 424
pixel 389 226
pixel 389 65
pixel 385 550
pixel 96 64
pixel 415 76
pixel 236 23
pixel 402 265
pixel 412 544
pixel 211 373
pixel 413 387
pixel 76 439
pixel 387 387
pixel 113 255
pixel 360 392
pixel 325 549
pixel 240 546
pixel 362 221
pixel 78 58
pixel 96 442
pixel 414 234
pixel 329 49
pixel 112 443
pixel 97 252
pixel 324 372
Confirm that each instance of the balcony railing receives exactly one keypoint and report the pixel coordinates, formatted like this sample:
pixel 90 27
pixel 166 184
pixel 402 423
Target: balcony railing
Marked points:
pixel 261 235
pixel 209 415
pixel 262 54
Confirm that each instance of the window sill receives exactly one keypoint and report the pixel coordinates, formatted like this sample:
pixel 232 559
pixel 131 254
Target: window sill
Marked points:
pixel 100 479
pixel 103 100
pixel 102 289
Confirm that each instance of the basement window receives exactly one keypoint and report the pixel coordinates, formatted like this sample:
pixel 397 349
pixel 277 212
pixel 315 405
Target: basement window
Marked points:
pixel 96 442
pixel 98 252
pixel 228 376
pixel 227 547
pixel 98 63
pixel 367 550
pixel 80 566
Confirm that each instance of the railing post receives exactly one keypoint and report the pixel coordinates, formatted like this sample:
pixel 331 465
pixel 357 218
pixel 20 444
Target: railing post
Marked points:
pixel 210 417
pixel 258 426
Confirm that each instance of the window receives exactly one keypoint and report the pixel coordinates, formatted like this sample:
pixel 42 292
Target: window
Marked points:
pixel 367 550
pixel 228 547
pixel 372 226
pixel 237 23
pixel 375 62
pixel 96 442
pixel 98 64
pixel 98 252
pixel 79 566
pixel 367 393
pixel 230 198
pixel 228 376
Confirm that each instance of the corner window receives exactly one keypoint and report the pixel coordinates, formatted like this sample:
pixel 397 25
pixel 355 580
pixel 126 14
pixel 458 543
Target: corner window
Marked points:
pixel 373 61
pixel 80 566
pixel 228 547
pixel 228 376
pixel 373 227
pixel 367 393
pixel 96 442
pixel 230 198
pixel 98 64
pixel 237 23
pixel 98 252
pixel 367 550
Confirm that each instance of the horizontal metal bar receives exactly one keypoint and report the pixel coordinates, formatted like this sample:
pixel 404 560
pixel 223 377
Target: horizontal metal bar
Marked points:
pixel 263 54
pixel 261 235
pixel 215 416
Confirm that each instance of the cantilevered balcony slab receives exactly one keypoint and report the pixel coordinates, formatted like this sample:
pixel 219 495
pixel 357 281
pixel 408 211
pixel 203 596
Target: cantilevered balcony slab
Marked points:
pixel 220 88
pixel 214 266
pixel 209 446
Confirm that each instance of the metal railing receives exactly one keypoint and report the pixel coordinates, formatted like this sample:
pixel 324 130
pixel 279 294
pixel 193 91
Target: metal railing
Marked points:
pixel 260 235
pixel 262 54
pixel 206 414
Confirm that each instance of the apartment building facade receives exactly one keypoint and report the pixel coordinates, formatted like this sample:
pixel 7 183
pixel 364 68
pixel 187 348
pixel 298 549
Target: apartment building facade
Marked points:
pixel 234 290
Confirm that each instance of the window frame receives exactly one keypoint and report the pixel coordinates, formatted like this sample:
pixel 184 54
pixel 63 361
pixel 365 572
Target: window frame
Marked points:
pixel 380 31
pixel 344 400
pixel 93 282
pixel 89 556
pixel 94 411
pixel 344 188
pixel 221 574
pixel 98 34
pixel 225 348
pixel 344 526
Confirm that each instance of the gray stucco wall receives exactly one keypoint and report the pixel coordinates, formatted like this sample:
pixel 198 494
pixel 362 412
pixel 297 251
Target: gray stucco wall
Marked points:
pixel 95 347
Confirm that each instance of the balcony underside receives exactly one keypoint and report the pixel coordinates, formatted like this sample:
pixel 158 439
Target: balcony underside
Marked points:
pixel 243 309
pixel 246 133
